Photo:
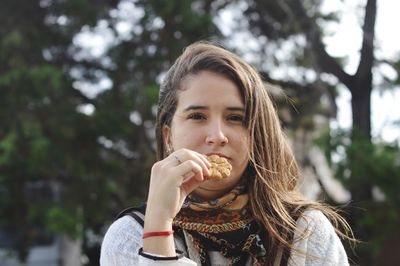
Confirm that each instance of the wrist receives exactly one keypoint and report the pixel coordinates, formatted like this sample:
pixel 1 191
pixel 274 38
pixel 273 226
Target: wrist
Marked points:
pixel 154 223
pixel 159 213
pixel 157 233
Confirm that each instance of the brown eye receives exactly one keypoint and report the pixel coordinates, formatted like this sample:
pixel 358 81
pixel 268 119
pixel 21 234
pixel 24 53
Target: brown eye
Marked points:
pixel 197 116
pixel 236 118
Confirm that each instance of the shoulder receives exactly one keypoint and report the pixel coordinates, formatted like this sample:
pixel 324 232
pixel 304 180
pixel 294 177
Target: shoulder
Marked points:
pixel 122 240
pixel 124 227
pixel 315 222
pixel 316 240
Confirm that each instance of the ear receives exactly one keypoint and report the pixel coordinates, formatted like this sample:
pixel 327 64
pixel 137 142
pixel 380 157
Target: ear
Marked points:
pixel 167 135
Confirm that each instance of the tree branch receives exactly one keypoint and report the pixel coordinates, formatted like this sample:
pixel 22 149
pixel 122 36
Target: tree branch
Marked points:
pixel 367 49
pixel 287 84
pixel 325 62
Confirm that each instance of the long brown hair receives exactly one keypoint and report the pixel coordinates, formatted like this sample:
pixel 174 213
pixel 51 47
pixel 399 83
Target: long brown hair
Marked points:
pixel 275 202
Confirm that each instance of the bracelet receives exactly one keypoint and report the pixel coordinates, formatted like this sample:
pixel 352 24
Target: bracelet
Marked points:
pixel 161 233
pixel 179 255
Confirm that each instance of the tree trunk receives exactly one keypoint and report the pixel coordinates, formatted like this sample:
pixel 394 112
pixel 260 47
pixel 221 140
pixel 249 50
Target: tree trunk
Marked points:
pixel 361 107
pixel 361 131
pixel 360 86
pixel 361 185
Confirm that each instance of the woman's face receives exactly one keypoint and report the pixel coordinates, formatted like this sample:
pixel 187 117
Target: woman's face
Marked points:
pixel 209 119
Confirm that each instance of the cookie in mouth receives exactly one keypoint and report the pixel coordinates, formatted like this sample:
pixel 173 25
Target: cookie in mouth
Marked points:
pixel 220 167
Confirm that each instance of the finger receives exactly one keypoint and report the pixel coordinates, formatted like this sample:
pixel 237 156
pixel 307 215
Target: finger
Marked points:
pixel 206 161
pixel 189 169
pixel 191 184
pixel 183 155
pixel 207 164
pixel 174 160
pixel 203 161
pixel 188 175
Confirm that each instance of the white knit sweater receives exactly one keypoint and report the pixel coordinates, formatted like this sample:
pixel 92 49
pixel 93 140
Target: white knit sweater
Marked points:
pixel 321 246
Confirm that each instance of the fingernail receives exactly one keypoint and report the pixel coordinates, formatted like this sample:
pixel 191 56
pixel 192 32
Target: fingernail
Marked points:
pixel 207 172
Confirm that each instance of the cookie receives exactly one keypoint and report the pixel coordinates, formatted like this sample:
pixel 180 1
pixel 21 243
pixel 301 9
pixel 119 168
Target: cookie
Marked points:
pixel 220 167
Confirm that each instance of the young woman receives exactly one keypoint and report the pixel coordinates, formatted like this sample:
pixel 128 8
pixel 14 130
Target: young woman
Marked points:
pixel 213 103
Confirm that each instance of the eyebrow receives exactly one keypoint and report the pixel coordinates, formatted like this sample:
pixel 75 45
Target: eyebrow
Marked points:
pixel 202 107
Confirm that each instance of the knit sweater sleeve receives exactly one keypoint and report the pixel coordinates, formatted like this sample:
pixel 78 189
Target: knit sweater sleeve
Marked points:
pixel 316 242
pixel 121 245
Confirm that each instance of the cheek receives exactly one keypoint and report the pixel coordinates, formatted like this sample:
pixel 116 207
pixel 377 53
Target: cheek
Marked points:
pixel 243 147
pixel 242 142
pixel 186 138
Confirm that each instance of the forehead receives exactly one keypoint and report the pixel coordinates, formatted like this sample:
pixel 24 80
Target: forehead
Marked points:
pixel 209 88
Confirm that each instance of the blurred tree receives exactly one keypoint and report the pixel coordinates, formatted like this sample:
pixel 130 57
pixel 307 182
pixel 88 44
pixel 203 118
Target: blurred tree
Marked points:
pixel 298 27
pixel 89 147
pixel 69 159
pixel 52 174
pixel 125 114
pixel 45 142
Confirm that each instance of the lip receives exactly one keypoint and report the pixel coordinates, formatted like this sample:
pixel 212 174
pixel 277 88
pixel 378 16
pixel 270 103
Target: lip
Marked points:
pixel 219 154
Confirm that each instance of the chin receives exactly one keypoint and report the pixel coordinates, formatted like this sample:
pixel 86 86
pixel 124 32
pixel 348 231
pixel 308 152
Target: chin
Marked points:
pixel 224 184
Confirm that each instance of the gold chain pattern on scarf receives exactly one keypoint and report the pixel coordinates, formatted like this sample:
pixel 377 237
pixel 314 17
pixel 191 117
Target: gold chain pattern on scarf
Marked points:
pixel 249 240
pixel 214 228
pixel 219 223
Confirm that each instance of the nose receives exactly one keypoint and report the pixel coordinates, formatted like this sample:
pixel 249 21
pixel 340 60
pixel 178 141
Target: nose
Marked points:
pixel 216 135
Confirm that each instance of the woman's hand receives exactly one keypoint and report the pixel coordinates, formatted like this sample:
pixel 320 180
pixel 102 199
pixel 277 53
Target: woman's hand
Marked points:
pixel 172 179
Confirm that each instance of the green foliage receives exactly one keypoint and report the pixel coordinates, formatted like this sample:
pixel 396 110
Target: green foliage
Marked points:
pixel 151 93
pixel 70 172
pixel 7 147
pixel 59 221
pixel 46 76
pixel 359 162
pixel 61 170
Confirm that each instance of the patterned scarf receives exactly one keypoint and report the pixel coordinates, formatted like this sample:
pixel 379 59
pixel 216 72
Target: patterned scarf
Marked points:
pixel 224 225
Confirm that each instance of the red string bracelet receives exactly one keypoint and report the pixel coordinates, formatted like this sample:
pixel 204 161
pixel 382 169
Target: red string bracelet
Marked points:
pixel 161 233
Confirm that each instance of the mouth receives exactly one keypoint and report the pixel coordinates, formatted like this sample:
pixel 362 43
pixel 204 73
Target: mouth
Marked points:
pixel 219 154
